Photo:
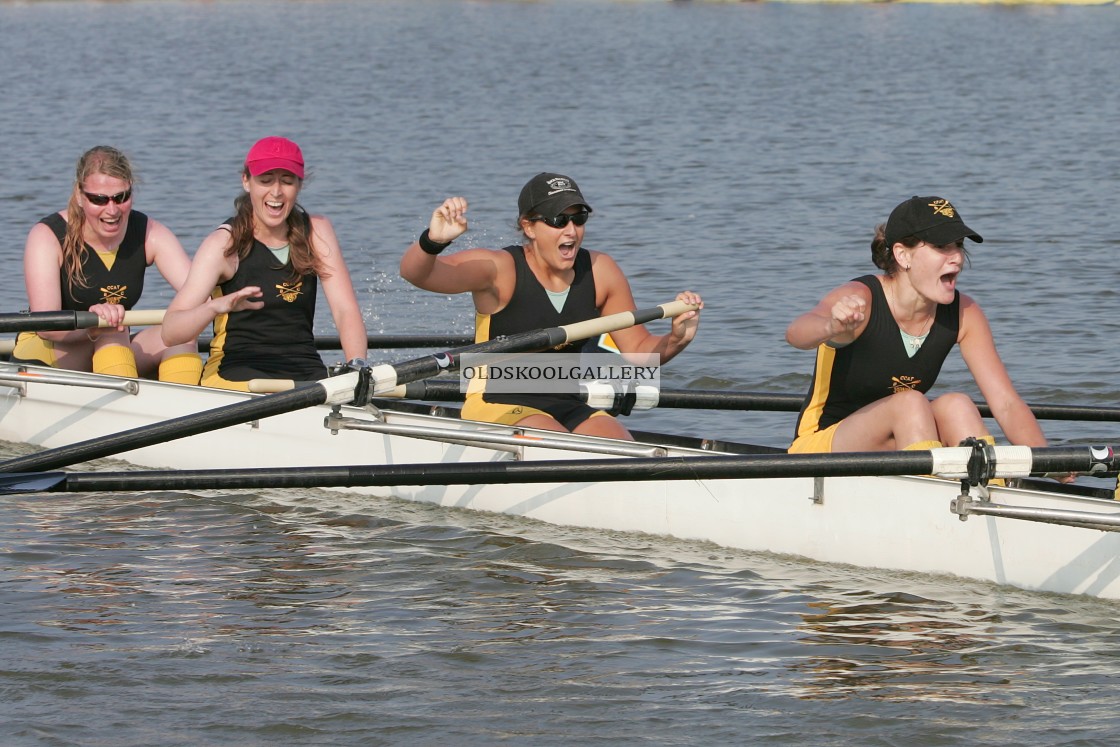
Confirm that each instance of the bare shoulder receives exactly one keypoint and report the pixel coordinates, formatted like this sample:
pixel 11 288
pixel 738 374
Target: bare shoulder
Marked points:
pixel 159 232
pixel 850 288
pixel 970 313
pixel 41 235
pixel 603 265
pixel 320 222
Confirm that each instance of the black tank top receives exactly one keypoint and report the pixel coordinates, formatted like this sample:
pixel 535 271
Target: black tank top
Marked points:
pixel 277 341
pixel 876 364
pixel 122 284
pixel 531 308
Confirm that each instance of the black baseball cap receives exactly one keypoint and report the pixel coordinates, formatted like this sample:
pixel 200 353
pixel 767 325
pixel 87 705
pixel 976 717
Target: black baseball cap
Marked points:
pixel 548 195
pixel 931 219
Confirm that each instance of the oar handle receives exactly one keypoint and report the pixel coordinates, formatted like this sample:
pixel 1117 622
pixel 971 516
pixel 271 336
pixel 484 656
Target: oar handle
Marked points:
pixel 268 386
pixel 134 318
pixel 592 327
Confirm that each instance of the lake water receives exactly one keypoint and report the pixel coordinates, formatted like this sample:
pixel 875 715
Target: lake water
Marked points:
pixel 743 150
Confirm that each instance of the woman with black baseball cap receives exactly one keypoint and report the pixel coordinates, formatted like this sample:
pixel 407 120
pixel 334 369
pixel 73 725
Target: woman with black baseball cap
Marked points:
pixel 881 341
pixel 548 280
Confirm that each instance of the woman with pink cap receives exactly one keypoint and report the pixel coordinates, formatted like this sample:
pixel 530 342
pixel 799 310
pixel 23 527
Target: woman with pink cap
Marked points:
pixel 256 279
pixel 94 256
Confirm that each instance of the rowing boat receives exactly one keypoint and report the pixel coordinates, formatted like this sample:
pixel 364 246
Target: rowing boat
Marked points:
pixel 1049 538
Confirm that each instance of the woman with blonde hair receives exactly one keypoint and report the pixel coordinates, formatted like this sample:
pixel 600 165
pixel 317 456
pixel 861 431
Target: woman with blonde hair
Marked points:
pixel 93 256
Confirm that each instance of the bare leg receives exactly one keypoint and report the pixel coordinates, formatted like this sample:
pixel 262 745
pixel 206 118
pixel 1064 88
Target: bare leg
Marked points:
pixel 957 418
pixel 608 427
pixel 149 350
pixel 544 422
pixel 888 424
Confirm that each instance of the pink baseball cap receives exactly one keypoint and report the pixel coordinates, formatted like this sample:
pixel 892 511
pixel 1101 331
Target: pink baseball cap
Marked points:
pixel 274 153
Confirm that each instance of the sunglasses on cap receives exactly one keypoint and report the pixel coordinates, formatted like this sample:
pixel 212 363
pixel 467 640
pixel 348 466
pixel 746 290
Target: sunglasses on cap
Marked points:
pixel 562 220
pixel 102 200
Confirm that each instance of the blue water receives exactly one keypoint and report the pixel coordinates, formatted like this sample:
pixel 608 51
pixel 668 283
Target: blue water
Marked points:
pixel 743 150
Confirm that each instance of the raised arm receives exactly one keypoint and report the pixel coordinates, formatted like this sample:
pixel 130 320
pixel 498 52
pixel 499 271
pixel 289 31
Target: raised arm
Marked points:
pixel 193 308
pixel 613 295
pixel 839 318
pixel 339 289
pixel 472 270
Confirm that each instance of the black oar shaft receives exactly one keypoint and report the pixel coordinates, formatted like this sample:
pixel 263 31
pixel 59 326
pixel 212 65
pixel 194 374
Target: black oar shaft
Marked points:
pixel 714 399
pixel 188 425
pixel 48 321
pixel 379 342
pixel 1082 459
pixel 490 473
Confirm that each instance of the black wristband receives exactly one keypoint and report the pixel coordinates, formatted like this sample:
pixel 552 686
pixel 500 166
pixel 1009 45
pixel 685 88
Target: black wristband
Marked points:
pixel 429 246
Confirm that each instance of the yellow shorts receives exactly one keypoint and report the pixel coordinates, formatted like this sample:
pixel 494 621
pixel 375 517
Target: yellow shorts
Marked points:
pixel 817 442
pixel 30 348
pixel 476 408
pixel 217 382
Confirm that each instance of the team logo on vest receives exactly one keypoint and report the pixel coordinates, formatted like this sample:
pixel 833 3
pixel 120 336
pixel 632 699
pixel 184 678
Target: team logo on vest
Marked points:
pixel 902 383
pixel 290 291
pixel 943 207
pixel 114 293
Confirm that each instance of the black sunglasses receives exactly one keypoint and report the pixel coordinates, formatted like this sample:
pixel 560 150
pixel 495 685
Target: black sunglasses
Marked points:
pixel 102 200
pixel 562 220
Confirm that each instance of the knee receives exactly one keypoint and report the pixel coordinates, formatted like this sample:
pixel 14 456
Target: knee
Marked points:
pixel 910 403
pixel 955 404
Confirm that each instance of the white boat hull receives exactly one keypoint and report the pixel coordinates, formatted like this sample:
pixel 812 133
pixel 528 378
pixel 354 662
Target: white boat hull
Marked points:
pixel 901 523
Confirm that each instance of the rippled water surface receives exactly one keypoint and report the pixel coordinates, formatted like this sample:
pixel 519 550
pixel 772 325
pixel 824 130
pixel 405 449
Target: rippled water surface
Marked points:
pixel 743 150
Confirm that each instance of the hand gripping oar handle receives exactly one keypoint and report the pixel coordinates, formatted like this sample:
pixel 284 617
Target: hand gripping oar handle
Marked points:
pixel 64 321
pixel 387 377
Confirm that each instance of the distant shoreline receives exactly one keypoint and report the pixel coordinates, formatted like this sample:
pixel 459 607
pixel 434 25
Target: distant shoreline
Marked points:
pixel 698 2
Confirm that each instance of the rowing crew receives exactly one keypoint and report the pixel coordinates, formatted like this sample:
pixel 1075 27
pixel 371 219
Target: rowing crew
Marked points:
pixel 880 339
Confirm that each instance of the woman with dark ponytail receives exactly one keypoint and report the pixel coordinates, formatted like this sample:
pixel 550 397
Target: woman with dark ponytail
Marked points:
pixel 881 340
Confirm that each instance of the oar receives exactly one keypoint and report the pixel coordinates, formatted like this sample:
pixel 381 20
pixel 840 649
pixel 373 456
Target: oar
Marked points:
pixel 953 463
pixel 445 390
pixel 715 399
pixel 327 342
pixel 334 390
pixel 64 321
pixel 387 377
pixel 381 341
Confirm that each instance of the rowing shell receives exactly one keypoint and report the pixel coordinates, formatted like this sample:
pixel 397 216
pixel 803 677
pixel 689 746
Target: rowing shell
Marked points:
pixel 1038 539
